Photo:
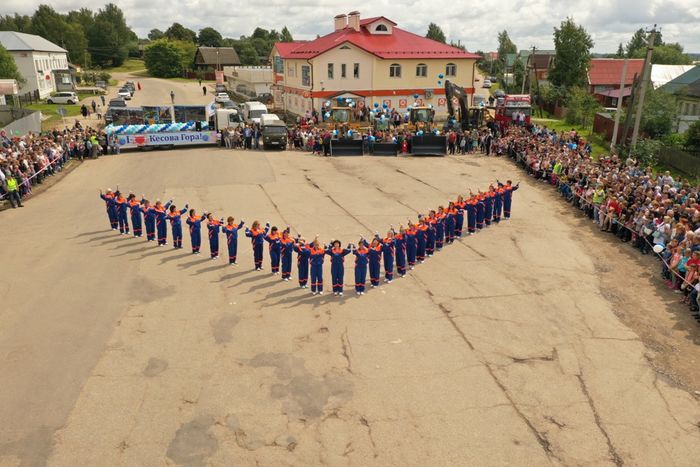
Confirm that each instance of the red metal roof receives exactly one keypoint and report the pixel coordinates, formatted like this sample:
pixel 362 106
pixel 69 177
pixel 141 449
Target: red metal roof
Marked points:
pixel 607 71
pixel 399 44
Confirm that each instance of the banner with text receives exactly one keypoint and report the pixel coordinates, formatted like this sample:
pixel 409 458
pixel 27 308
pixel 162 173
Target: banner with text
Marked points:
pixel 182 138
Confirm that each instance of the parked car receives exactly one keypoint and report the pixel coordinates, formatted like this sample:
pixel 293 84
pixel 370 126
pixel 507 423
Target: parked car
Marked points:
pixel 487 83
pixel 117 102
pixel 63 98
pixel 220 88
pixel 130 85
pixel 124 93
pixel 229 104
pixel 266 98
pixel 222 97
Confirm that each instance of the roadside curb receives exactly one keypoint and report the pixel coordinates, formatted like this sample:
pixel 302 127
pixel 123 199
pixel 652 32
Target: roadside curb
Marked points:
pixel 70 166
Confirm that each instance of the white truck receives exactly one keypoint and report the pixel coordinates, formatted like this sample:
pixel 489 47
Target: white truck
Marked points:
pixel 252 110
pixel 228 118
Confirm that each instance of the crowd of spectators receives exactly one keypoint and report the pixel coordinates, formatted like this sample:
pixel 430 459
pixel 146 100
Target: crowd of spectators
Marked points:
pixel 27 161
pixel 651 210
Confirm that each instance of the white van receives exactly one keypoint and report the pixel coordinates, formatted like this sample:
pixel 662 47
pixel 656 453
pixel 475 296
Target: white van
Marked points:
pixel 252 111
pixel 63 98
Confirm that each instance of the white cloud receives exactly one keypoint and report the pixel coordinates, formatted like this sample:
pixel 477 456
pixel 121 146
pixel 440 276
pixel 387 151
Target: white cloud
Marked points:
pixel 475 24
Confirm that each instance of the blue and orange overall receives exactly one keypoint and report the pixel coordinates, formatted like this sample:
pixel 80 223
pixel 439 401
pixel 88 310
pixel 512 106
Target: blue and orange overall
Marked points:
pixel 508 199
pixel 135 209
pixel 498 205
pixel 400 252
pixel 149 219
pixel 430 237
pixel 337 267
pixel 471 215
pixel 439 230
pixel 316 259
pixel 303 254
pixel 111 209
pixel 450 222
pixel 195 223
pixel 275 249
pixel 375 255
pixel 411 246
pixel 161 228
pixel 287 245
pixel 421 241
pixel 231 232
pixel 480 212
pixel 361 261
pixel 388 248
pixel 488 208
pixel 257 239
pixel 459 218
pixel 120 207
pixel 175 219
pixel 214 228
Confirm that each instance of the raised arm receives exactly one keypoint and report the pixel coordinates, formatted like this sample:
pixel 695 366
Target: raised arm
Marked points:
pixel 240 225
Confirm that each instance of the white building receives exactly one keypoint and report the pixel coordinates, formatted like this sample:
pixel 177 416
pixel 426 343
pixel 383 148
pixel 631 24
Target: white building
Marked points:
pixel 38 61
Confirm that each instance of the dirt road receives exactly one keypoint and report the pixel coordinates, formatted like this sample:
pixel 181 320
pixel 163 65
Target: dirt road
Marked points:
pixel 505 348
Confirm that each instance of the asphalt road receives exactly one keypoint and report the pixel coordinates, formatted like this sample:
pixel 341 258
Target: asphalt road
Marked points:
pixel 501 349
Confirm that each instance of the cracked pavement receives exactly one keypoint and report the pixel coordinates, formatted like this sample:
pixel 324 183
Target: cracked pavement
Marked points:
pixel 502 349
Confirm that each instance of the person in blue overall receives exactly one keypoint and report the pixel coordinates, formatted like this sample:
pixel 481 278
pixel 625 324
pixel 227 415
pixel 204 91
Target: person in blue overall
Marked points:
pixel 411 244
pixel 174 216
pixel 498 204
pixel 149 219
pixel 108 198
pixel 361 261
pixel 471 215
pixel 135 211
pixel 480 211
pixel 275 249
pixel 337 254
pixel 421 239
pixel 303 254
pixel 375 256
pixel 231 232
pixel 287 247
pixel 120 204
pixel 439 228
pixel 195 226
pixel 400 251
pixel 388 252
pixel 488 207
pixel 160 214
pixel 316 255
pixel 459 216
pixel 257 239
pixel 214 228
pixel 430 234
pixel 508 190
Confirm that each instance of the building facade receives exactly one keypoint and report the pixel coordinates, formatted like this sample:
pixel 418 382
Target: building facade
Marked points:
pixel 371 61
pixel 248 81
pixel 39 61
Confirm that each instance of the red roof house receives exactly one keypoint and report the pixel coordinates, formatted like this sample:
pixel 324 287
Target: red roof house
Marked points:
pixel 605 73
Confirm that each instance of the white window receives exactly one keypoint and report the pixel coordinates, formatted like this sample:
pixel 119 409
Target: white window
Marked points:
pixel 422 70
pixel 356 70
pixel 451 69
pixel 343 70
pixel 395 70
pixel 330 71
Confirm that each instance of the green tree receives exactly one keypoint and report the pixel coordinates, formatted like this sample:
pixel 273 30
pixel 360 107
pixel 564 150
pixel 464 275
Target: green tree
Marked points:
pixel 84 17
pixel 573 55
pixel 518 74
pixel 505 45
pixel 581 107
pixel 620 51
pixel 187 51
pixel 162 59
pixel 246 52
pixel 178 32
pixel 52 26
pixel 435 33
pixel 693 136
pixel 638 41
pixel 209 37
pixel 666 54
pixel 155 34
pixel 659 114
pixel 19 23
pixel 285 35
pixel 8 67
pixel 109 37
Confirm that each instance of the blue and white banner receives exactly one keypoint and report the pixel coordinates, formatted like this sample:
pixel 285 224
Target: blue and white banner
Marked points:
pixel 182 138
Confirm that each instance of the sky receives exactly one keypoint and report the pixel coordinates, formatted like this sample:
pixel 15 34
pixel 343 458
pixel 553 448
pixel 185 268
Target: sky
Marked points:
pixel 474 23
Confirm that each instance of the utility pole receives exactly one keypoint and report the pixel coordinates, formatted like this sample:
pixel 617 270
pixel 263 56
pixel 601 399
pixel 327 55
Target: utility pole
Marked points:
pixel 534 70
pixel 646 72
pixel 619 105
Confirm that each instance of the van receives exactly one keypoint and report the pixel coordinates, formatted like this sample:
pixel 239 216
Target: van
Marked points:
pixel 266 119
pixel 274 134
pixel 252 111
pixel 228 118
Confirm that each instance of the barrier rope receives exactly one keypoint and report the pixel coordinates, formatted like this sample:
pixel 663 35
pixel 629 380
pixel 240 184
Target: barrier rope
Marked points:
pixel 35 175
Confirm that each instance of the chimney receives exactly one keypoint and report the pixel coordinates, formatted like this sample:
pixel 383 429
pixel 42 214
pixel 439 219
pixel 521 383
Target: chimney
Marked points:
pixel 340 22
pixel 354 20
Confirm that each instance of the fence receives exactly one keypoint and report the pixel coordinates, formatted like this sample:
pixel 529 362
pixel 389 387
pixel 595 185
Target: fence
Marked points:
pixel 16 121
pixel 604 125
pixel 686 162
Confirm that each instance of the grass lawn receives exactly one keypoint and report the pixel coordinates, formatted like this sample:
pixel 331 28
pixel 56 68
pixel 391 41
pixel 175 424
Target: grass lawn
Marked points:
pixel 600 147
pixel 49 110
pixel 131 64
